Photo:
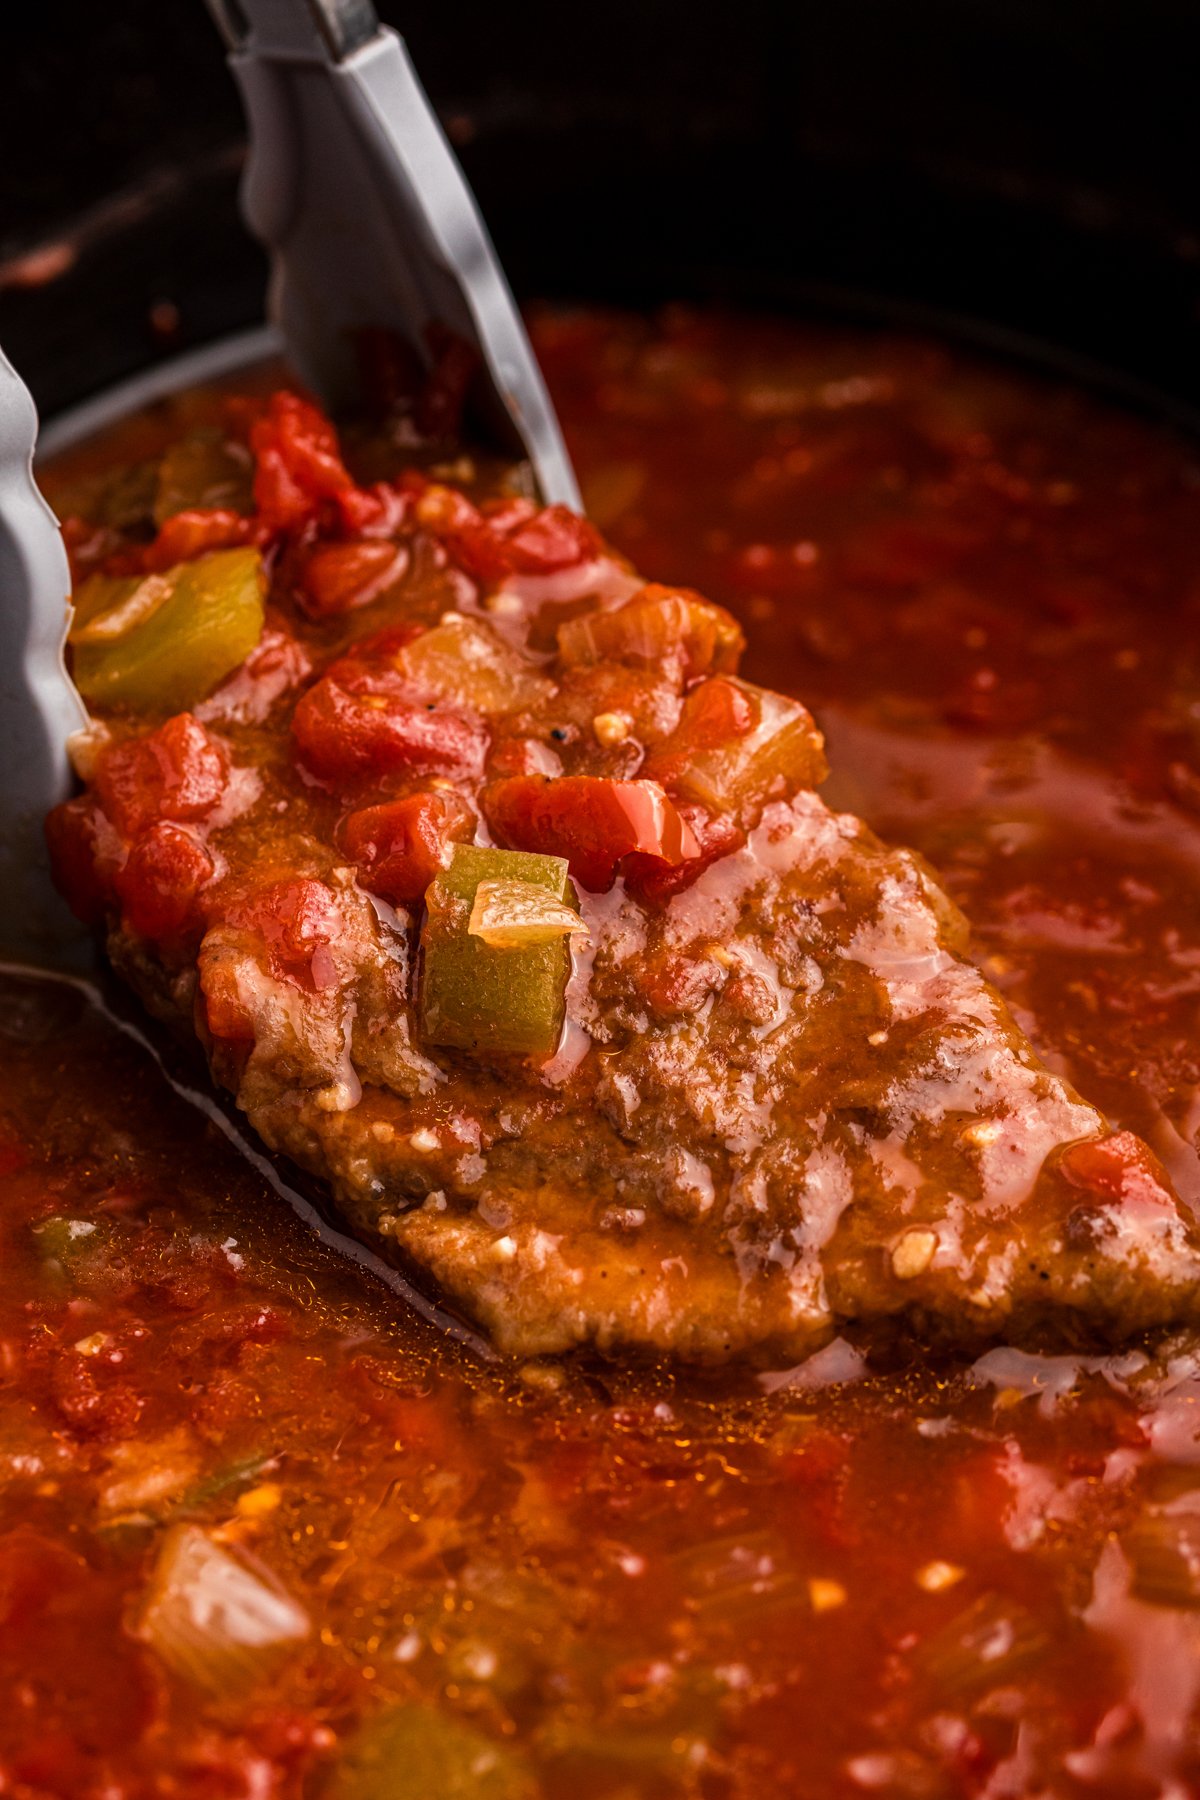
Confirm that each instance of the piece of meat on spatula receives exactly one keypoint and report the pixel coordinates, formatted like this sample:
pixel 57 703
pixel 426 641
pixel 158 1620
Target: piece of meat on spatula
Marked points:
pixel 502 905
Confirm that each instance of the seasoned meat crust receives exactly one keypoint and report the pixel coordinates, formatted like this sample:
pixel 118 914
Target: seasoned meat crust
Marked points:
pixel 829 1117
pixel 781 1100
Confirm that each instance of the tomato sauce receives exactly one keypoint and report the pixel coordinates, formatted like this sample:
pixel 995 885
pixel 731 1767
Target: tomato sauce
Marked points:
pixel 607 1580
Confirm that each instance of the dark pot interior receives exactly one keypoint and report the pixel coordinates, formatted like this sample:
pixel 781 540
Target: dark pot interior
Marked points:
pixel 1023 170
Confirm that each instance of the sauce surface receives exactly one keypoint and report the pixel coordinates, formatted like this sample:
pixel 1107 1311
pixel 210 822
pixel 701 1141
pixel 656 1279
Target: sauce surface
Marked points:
pixel 929 1581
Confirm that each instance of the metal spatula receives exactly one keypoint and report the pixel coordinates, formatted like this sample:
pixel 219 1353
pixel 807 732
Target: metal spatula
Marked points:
pixel 355 192
pixel 357 196
pixel 39 708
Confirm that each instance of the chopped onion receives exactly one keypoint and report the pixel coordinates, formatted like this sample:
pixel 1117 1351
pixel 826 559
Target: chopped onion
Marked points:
pixel 739 1577
pixel 108 609
pixel 659 628
pixel 782 752
pixel 989 1645
pixel 511 915
pixel 146 1477
pixel 419 1752
pixel 84 747
pixel 218 1620
pixel 463 662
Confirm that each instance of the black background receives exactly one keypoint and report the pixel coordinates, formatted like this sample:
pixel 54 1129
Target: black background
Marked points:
pixel 1035 163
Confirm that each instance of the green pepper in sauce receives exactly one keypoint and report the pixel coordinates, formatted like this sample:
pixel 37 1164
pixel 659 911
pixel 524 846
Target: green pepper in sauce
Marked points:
pixel 203 469
pixel 160 643
pixel 416 1753
pixel 475 994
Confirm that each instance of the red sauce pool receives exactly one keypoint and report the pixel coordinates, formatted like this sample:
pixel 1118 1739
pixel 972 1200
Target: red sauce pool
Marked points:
pixel 936 1581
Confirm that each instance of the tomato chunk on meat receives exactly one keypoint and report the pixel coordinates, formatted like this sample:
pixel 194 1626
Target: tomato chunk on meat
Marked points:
pixel 715 714
pixel 344 735
pixel 80 868
pixel 592 821
pixel 512 538
pixel 161 882
pixel 178 772
pixel 336 578
pixel 299 474
pixel 737 745
pixel 654 881
pixel 542 542
pixel 297 461
pixel 297 920
pixel 403 845
pixel 192 533
pixel 1118 1167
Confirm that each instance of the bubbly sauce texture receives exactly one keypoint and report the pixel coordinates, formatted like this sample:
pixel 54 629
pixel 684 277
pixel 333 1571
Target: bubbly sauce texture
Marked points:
pixel 263 1534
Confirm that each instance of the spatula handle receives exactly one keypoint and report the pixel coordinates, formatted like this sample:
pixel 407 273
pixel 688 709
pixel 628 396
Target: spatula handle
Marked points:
pixel 355 192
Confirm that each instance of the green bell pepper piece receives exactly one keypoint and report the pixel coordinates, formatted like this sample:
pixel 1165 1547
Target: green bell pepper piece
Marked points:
pixel 205 618
pixel 417 1753
pixel 203 470
pixel 475 997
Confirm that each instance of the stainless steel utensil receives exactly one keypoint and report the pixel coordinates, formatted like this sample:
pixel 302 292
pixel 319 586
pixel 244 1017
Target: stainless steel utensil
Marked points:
pixel 354 191
pixel 356 194
pixel 39 708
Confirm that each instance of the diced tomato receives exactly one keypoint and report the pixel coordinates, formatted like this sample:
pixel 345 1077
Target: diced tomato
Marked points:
pixel 344 736
pixel 653 881
pixel 161 881
pixel 338 577
pixel 514 538
pixel 714 714
pixel 402 845
pixel 178 772
pixel 736 746
pixel 506 515
pixel 717 711
pixel 377 511
pixel 591 821
pixel 675 987
pixel 1119 1167
pixel 370 656
pixel 521 756
pixel 194 533
pixel 221 1005
pixel 463 531
pixel 297 461
pixel 555 538
pixel 82 872
pixel 298 920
